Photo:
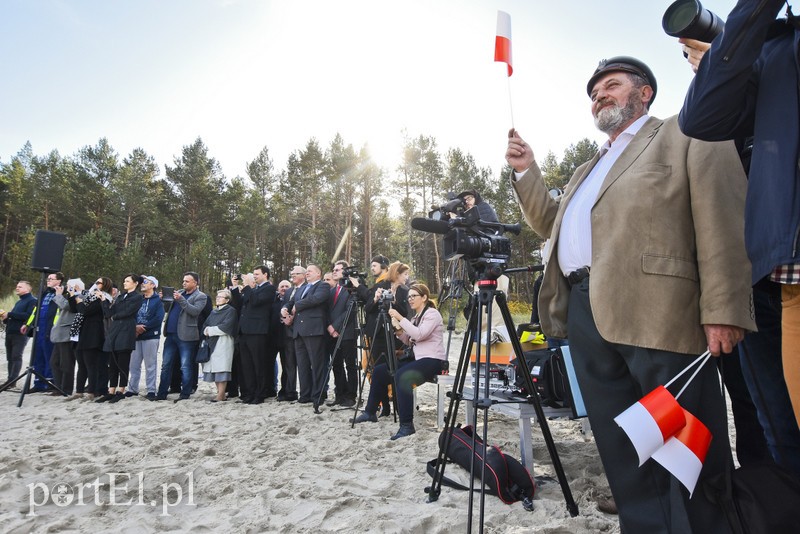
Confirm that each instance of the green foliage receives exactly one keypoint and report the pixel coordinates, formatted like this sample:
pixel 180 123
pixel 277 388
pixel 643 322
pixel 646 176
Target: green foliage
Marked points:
pixel 124 214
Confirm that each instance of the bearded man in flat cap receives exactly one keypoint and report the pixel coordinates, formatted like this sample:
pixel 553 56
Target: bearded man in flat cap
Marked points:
pixel 646 270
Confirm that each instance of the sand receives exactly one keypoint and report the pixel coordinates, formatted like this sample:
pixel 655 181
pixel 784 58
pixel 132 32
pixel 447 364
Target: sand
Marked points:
pixel 140 466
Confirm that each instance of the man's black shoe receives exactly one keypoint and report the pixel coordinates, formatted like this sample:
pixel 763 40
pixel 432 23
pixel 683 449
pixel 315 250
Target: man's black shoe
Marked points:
pixel 244 400
pixel 151 396
pixel 104 398
pixel 256 401
pixel 181 398
pixel 131 394
pixel 347 403
pixel 336 401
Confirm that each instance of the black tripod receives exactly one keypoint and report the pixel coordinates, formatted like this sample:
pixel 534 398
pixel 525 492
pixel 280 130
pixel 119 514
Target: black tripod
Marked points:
pixel 29 372
pixel 353 304
pixel 487 294
pixel 384 324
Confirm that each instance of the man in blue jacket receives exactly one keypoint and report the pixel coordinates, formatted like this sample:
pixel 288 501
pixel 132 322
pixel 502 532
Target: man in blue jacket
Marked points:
pixel 14 321
pixel 148 336
pixel 746 86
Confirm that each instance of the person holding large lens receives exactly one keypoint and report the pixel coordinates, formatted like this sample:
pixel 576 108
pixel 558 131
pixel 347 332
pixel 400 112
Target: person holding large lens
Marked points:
pixel 422 360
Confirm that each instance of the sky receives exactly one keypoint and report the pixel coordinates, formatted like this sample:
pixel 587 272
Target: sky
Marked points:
pixel 248 74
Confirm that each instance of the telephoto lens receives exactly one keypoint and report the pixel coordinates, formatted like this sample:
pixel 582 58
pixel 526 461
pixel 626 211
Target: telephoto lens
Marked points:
pixel 688 18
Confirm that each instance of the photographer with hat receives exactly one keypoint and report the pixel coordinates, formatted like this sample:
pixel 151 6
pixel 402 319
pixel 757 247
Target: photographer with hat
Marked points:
pixel 646 270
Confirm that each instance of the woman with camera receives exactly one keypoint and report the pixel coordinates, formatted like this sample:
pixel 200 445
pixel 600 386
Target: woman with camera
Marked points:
pixel 91 333
pixel 423 359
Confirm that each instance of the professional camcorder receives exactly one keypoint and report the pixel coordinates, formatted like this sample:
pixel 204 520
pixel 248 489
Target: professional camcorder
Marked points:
pixel 351 271
pixel 688 18
pixel 453 205
pixel 467 236
pixel 386 299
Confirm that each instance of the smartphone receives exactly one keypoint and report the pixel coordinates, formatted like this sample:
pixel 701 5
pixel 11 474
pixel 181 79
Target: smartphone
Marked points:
pixel 166 293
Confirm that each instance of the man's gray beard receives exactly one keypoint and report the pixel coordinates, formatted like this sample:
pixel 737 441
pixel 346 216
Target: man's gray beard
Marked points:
pixel 611 118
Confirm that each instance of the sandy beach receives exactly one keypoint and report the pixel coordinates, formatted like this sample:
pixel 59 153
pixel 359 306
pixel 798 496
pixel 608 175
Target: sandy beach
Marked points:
pixel 139 466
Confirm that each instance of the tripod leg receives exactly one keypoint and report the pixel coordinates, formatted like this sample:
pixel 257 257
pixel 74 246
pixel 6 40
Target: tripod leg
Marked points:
pixel 534 399
pixel 434 490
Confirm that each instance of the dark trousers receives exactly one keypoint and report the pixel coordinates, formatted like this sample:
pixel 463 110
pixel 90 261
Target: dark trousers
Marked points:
pixel 751 446
pixel 288 369
pixel 312 366
pixel 62 363
pixel 118 368
pixel 409 375
pixel 345 368
pixel 15 347
pixel 271 369
pixel 83 371
pixel 253 381
pixel 612 377
pixel 97 370
pixel 763 372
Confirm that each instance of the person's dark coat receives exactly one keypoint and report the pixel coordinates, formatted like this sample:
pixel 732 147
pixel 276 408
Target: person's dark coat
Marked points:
pixel 122 312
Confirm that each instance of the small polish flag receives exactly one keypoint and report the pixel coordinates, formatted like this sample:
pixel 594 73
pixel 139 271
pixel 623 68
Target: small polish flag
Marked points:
pixel 683 454
pixel 650 422
pixel 502 43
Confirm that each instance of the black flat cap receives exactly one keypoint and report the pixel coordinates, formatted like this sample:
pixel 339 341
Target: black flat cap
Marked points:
pixel 623 64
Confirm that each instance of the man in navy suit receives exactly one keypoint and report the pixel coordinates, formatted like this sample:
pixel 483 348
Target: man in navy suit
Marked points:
pixel 257 298
pixel 345 366
pixel 310 310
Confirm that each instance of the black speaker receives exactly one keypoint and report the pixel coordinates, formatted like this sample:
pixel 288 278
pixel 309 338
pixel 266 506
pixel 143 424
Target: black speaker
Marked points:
pixel 48 251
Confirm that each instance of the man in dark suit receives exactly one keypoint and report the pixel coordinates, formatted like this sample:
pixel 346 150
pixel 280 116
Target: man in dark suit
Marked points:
pixel 257 298
pixel 345 368
pixel 288 390
pixel 310 310
pixel 623 290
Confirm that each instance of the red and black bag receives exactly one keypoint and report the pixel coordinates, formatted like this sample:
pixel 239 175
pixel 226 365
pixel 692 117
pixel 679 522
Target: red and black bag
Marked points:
pixel 506 477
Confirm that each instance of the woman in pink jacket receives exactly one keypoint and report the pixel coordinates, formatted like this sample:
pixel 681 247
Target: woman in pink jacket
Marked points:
pixel 426 358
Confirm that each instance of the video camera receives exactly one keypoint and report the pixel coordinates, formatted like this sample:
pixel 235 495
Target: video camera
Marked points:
pixel 386 299
pixel 453 205
pixel 351 271
pixel 467 236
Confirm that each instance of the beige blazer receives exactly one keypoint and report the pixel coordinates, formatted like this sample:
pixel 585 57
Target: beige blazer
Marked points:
pixel 667 242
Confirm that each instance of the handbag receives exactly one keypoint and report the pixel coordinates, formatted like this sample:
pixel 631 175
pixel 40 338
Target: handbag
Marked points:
pixel 203 352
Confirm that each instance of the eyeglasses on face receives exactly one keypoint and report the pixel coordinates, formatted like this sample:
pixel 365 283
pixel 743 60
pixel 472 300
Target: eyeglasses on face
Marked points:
pixel 411 297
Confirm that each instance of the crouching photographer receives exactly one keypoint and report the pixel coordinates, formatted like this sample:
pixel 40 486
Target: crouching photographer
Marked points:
pixel 422 360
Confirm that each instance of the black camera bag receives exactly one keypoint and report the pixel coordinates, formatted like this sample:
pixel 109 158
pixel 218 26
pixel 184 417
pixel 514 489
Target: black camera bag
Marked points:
pixel 549 375
pixel 506 477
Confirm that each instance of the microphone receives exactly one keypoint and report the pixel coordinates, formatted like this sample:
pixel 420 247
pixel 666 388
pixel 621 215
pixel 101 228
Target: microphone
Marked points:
pixel 430 225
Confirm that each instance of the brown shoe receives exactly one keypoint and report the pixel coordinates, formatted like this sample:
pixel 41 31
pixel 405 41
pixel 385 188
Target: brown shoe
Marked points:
pixel 607 505
pixel 74 397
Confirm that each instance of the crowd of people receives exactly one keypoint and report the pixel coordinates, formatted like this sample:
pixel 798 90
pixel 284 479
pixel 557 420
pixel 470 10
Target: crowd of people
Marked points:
pixel 255 341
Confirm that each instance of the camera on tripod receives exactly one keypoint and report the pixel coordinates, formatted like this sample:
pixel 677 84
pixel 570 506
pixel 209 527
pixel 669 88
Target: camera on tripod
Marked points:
pixel 347 273
pixel 467 236
pixel 385 299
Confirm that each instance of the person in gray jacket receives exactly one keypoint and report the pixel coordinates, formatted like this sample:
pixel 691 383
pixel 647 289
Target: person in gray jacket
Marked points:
pixel 62 361
pixel 182 336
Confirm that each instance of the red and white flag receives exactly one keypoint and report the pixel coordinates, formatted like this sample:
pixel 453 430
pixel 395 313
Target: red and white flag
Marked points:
pixel 502 43
pixel 683 454
pixel 650 422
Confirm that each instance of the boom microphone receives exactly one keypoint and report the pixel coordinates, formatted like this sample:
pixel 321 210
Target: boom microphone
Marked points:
pixel 430 225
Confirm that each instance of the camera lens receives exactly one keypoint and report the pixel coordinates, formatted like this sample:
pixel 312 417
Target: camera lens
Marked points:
pixel 688 18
